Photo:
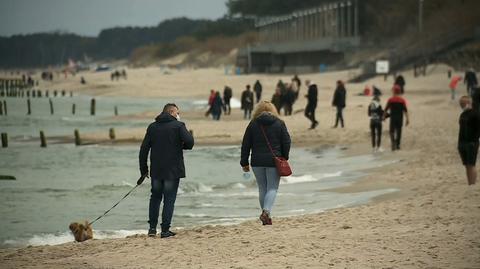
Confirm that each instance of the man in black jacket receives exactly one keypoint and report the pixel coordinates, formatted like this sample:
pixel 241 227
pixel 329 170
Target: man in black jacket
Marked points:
pixel 257 88
pixel 468 135
pixel 166 138
pixel 311 103
pixel 471 80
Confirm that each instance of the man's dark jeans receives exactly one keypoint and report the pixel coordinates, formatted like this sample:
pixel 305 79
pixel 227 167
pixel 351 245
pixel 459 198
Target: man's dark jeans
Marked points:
pixel 168 190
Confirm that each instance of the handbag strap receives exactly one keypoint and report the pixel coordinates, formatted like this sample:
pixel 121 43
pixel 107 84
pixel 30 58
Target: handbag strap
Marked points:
pixel 266 139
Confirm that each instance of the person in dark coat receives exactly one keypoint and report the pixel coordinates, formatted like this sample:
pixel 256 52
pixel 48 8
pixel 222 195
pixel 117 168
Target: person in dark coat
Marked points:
pixel 288 100
pixel 297 81
pixel 165 139
pixel 471 80
pixel 468 136
pixel 217 106
pixel 339 101
pixel 247 103
pixel 265 122
pixel 257 88
pixel 400 81
pixel 277 99
pixel 375 112
pixel 227 96
pixel 311 104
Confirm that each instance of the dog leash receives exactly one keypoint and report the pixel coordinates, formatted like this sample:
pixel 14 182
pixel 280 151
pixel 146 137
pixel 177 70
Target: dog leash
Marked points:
pixel 139 182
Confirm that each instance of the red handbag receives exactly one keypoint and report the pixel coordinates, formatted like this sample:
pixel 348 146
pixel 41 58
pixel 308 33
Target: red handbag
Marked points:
pixel 282 165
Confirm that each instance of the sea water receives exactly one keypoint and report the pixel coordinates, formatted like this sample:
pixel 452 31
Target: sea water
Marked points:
pixel 63 183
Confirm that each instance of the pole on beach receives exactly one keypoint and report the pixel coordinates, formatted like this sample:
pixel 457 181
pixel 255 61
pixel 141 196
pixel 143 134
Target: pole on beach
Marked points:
pixel 71 94
pixel 92 107
pixel 39 93
pixel 5 111
pixel 1 108
pixel 116 111
pixel 51 106
pixel 111 134
pixel 73 109
pixel 29 109
pixel 43 141
pixel 4 140
pixel 78 142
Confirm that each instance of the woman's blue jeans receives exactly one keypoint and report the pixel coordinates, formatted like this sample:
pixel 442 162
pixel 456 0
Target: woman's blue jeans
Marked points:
pixel 267 181
pixel 168 190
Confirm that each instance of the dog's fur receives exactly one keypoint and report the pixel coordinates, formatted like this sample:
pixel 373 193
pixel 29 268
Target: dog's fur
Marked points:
pixel 81 231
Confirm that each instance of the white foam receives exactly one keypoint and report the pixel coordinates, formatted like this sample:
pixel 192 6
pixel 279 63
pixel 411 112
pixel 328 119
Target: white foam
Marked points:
pixel 308 178
pixel 66 237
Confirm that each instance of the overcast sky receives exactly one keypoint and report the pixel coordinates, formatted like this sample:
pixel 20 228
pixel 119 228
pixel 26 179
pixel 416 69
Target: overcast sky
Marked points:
pixel 88 17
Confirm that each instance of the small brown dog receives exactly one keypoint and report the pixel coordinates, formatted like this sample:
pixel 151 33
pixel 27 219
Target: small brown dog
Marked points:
pixel 81 231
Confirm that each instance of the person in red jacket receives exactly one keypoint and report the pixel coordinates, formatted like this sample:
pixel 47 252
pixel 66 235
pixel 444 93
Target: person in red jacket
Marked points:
pixel 396 108
pixel 453 86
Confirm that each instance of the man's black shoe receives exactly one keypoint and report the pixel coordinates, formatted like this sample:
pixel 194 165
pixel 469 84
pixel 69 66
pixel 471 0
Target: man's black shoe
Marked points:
pixel 152 232
pixel 167 234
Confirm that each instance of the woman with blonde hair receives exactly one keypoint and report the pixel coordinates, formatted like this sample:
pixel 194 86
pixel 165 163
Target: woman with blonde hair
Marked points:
pixel 265 133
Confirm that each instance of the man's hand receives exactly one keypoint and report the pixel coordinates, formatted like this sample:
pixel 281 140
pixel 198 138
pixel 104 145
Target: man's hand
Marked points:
pixel 141 179
pixel 246 168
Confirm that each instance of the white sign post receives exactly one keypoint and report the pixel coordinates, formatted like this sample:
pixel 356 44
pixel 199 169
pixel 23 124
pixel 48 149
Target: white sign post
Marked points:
pixel 382 67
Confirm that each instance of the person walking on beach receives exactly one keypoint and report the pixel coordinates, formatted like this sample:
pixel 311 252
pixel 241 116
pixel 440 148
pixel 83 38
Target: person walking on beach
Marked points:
pixel 468 136
pixel 227 95
pixel 311 103
pixel 297 82
pixel 288 100
pixel 396 106
pixel 277 99
pixel 257 88
pixel 217 106
pixel 375 112
pixel 471 80
pixel 265 125
pixel 339 101
pixel 247 103
pixel 165 139
pixel 453 86
pixel 210 102
pixel 400 81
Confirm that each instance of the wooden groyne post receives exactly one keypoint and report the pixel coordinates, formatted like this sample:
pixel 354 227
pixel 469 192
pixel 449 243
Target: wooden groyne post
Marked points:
pixel 92 107
pixel 29 108
pixel 4 140
pixel 43 141
pixel 111 134
pixel 73 109
pixel 51 106
pixel 78 142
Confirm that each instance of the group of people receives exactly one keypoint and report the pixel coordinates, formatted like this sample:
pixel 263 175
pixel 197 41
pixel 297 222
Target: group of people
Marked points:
pixel 267 137
pixel 116 75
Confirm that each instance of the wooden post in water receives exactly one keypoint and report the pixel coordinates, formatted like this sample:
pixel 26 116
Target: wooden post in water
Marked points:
pixel 28 93
pixel 39 93
pixel 63 93
pixel 51 106
pixel 5 111
pixel 4 140
pixel 55 93
pixel 92 107
pixel 78 142
pixel 116 111
pixel 46 93
pixel 29 109
pixel 43 141
pixel 1 108
pixel 71 94
pixel 73 109
pixel 111 133
pixel 34 92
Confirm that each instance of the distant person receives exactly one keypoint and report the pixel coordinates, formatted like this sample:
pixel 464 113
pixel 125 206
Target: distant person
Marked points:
pixel 265 120
pixel 400 81
pixel 376 91
pixel 311 103
pixel 288 100
pixel 247 103
pixel 211 97
pixel 375 112
pixel 453 86
pixel 227 96
pixel 471 80
pixel 277 99
pixel 217 106
pixel 297 81
pixel 476 99
pixel 124 74
pixel 396 107
pixel 283 93
pixel 257 88
pixel 165 139
pixel 83 81
pixel 339 101
pixel 468 137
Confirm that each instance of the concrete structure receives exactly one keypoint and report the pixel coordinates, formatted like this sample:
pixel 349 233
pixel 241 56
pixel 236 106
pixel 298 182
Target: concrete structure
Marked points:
pixel 303 40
